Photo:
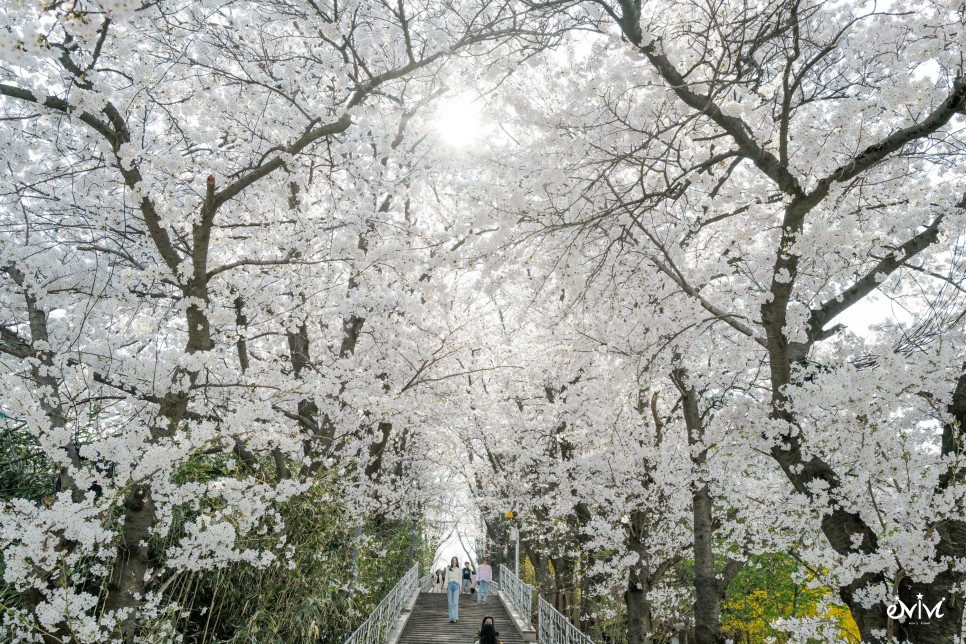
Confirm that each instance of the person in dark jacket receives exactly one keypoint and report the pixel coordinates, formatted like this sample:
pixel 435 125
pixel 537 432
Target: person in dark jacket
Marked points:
pixel 468 578
pixel 488 633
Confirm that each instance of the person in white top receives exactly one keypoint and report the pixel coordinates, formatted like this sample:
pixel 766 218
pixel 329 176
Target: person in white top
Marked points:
pixel 484 577
pixel 454 575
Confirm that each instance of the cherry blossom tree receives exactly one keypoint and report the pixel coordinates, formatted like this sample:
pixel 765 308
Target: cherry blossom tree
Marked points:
pixel 231 230
pixel 779 163
pixel 210 247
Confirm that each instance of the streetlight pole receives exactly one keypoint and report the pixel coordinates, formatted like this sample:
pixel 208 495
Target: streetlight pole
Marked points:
pixel 515 537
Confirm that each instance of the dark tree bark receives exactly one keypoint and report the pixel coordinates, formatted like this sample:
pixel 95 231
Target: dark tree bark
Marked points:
pixel 129 576
pixel 639 625
pixel 707 589
pixel 641 579
pixel 951 546
pixel 42 372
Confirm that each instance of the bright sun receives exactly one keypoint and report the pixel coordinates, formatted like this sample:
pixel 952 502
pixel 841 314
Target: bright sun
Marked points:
pixel 459 121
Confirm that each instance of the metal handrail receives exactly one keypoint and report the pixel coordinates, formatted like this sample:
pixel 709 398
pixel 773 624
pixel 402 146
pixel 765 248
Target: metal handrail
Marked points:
pixel 375 629
pixel 554 628
pixel 518 594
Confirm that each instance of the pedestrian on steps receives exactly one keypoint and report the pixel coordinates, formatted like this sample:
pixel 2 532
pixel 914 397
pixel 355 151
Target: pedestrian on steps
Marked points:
pixel 488 633
pixel 484 577
pixel 438 577
pixel 453 577
pixel 467 578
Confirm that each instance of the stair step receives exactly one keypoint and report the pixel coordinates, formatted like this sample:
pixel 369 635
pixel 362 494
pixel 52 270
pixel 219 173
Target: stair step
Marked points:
pixel 429 621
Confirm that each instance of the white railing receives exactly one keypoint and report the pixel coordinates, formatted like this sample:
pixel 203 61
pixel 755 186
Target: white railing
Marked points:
pixel 375 629
pixel 554 628
pixel 517 594
pixel 426 583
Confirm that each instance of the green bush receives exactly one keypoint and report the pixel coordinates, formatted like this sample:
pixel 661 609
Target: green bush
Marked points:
pixel 302 597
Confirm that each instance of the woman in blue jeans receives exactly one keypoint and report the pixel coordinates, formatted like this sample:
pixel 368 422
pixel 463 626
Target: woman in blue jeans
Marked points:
pixel 454 576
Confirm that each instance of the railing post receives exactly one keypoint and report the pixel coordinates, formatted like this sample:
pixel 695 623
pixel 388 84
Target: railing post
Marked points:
pixel 375 629
pixel 518 594
pixel 554 628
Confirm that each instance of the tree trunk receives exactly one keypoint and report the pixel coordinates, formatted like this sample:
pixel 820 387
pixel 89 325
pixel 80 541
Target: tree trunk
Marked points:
pixel 306 410
pixel 128 583
pixel 43 371
pixel 707 592
pixel 377 451
pixel 589 625
pixel 639 625
pixel 951 546
pixel 128 580
pixel 707 589
pixel 939 630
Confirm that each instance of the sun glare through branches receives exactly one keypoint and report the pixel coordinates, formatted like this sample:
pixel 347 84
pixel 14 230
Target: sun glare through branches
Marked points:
pixel 460 121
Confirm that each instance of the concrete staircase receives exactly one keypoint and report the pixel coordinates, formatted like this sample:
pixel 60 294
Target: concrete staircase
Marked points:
pixel 428 621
